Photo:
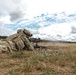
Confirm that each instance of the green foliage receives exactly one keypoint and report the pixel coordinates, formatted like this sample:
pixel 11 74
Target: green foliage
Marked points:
pixel 3 37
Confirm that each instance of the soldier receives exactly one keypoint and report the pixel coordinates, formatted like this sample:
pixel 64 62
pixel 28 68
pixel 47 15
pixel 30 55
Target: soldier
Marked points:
pixel 19 41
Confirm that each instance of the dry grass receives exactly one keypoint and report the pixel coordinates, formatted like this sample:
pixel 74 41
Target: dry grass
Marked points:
pixel 58 59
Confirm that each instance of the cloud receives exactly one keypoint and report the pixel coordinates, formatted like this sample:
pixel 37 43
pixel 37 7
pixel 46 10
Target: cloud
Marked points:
pixel 73 30
pixel 36 7
pixel 15 15
pixel 58 32
pixel 5 31
pixel 55 26
pixel 18 9
pixel 58 26
pixel 11 8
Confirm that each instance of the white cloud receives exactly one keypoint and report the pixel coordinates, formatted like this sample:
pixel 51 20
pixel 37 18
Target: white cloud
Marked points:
pixel 60 26
pixel 62 31
pixel 28 8
pixel 36 7
pixel 13 10
pixel 5 20
pixel 6 31
pixel 52 29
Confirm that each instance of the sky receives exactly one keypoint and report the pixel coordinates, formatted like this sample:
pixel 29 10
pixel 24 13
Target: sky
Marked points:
pixel 14 13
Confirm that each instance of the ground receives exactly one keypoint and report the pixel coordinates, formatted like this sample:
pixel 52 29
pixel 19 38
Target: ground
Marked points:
pixel 56 59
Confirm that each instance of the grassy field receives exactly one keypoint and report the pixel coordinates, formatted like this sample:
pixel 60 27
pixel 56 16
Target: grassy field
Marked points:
pixel 57 59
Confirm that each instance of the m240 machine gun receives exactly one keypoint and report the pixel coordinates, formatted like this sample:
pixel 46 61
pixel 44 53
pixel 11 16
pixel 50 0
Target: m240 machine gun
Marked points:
pixel 36 41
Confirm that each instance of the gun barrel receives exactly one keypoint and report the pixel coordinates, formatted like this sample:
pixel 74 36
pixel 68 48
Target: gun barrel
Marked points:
pixel 35 40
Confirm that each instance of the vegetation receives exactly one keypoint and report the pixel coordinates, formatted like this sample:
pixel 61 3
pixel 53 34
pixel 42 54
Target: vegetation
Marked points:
pixel 58 59
pixel 3 37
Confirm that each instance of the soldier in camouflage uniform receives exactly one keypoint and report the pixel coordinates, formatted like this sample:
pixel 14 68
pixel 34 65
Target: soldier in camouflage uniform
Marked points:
pixel 18 41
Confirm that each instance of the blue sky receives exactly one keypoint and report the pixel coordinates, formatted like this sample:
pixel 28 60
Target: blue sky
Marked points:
pixel 47 19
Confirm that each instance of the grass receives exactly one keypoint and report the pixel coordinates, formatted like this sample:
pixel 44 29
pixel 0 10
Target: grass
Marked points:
pixel 59 59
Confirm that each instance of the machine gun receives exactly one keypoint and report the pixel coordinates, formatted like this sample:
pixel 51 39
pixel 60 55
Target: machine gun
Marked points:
pixel 36 41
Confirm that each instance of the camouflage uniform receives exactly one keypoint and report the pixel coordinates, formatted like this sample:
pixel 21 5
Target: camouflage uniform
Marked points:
pixel 18 41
